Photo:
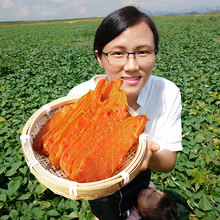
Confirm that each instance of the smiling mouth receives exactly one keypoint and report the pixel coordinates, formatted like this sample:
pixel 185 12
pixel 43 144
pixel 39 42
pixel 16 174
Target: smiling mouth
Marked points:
pixel 133 78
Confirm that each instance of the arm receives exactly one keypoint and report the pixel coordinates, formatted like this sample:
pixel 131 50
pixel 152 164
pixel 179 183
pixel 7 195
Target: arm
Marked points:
pixel 162 161
pixel 166 135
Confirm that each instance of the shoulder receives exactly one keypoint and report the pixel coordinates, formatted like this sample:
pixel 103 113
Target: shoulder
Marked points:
pixel 165 88
pixel 84 87
pixel 166 84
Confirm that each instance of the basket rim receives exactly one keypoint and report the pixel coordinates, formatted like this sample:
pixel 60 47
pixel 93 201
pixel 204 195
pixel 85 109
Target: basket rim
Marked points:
pixel 48 179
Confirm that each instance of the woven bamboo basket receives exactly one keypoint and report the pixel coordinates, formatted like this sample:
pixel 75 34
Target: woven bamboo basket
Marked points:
pixel 54 179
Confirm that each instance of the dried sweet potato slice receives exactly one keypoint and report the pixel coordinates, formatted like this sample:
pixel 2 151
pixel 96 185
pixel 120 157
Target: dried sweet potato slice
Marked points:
pixel 90 100
pixel 108 155
pixel 99 127
pixel 115 109
pixel 71 132
pixel 54 134
pixel 106 106
pixel 117 83
pixel 49 126
pixel 74 129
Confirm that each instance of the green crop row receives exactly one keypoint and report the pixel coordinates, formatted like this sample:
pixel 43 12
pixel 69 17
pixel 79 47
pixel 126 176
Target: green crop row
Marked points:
pixel 40 63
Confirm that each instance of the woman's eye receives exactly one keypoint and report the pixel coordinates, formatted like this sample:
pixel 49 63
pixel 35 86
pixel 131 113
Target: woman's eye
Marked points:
pixel 117 53
pixel 144 52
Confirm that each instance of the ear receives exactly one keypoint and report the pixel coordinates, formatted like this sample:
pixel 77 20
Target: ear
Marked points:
pixel 99 58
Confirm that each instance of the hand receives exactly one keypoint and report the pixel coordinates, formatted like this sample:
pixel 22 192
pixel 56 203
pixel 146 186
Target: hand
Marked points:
pixel 151 147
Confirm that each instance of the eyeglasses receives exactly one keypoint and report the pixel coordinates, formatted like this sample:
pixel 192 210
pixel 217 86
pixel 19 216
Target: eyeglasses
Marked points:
pixel 119 58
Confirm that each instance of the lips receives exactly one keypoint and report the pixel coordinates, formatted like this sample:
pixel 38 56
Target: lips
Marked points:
pixel 131 80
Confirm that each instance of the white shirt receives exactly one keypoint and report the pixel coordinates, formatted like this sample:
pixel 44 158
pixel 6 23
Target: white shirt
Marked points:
pixel 160 99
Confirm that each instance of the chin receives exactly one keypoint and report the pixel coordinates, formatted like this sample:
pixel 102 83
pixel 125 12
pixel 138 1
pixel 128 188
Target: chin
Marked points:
pixel 132 92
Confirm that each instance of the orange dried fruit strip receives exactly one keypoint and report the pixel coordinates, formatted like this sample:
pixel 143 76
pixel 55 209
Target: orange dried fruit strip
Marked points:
pixel 55 133
pixel 99 134
pixel 90 100
pixel 100 126
pixel 74 129
pixel 59 119
pixel 108 87
pixel 50 125
pixel 102 123
pixel 110 153
pixel 104 107
pixel 70 153
pixel 104 129
pixel 70 133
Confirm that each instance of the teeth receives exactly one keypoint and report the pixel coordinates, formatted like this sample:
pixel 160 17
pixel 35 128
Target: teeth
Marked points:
pixel 131 78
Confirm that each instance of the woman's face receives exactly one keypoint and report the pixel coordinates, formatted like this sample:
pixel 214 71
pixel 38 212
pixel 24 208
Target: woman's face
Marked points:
pixel 148 198
pixel 134 74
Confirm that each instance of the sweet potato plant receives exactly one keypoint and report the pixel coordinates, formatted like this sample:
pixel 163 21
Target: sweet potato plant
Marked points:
pixel 42 62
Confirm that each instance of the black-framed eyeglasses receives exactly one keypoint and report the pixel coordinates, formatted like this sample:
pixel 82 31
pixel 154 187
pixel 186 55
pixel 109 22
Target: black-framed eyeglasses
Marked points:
pixel 119 58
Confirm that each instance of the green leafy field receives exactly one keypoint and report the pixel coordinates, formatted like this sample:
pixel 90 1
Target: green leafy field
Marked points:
pixel 42 62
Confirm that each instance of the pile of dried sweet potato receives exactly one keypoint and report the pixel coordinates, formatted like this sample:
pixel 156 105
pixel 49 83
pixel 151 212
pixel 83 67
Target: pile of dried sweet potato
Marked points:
pixel 90 138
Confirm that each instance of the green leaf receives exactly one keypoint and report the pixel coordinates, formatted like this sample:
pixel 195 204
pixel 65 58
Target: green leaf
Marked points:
pixel 38 189
pixel 23 170
pixel 53 212
pixel 2 119
pixel 61 206
pixel 24 196
pixel 204 203
pixel 21 206
pixel 37 213
pixel 2 88
pixel 3 197
pixel 43 188
pixel 11 172
pixel 14 214
pixel 199 214
pixel 192 204
pixel 85 204
pixel 14 168
pixel 171 184
pixel 45 204
pixel 14 185
pixel 188 193
pixel 5 217
pixel 73 215
pixel 193 112
pixel 72 204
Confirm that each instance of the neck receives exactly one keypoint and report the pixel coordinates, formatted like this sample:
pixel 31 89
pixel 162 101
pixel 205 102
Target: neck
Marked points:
pixel 132 102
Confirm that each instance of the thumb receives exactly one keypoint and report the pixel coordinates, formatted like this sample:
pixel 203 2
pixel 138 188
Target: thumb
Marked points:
pixel 152 146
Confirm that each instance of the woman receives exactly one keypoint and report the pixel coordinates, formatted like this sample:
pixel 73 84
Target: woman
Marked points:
pixel 125 45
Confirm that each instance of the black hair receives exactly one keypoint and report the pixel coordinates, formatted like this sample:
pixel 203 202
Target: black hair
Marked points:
pixel 166 209
pixel 116 22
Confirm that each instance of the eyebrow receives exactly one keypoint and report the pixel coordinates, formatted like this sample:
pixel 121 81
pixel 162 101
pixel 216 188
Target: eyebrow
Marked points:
pixel 124 48
pixel 144 45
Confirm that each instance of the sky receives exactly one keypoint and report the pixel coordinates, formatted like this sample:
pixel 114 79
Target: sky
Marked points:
pixel 22 10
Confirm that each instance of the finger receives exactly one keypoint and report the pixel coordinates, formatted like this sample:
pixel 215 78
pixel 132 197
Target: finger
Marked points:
pixel 146 160
pixel 152 146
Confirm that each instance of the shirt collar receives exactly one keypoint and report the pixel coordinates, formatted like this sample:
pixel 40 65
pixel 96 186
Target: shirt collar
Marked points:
pixel 144 93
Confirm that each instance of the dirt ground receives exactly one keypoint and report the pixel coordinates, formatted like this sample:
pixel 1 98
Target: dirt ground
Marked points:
pixel 30 23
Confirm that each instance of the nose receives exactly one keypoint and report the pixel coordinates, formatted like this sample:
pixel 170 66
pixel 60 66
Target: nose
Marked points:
pixel 131 64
